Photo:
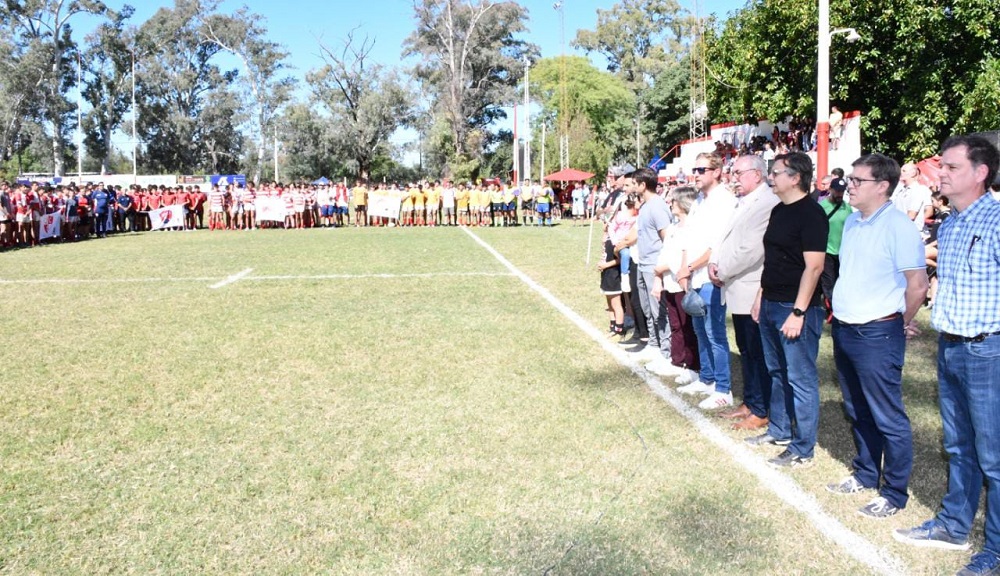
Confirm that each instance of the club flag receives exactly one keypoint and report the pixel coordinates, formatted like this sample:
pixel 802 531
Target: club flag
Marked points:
pixel 383 205
pixel 270 209
pixel 50 226
pixel 167 217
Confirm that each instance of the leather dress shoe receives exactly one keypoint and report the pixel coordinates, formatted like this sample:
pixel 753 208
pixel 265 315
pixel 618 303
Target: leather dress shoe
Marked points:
pixel 751 422
pixel 736 413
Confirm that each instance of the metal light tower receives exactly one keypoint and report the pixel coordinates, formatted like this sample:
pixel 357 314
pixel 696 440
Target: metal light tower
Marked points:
pixel 563 107
pixel 699 99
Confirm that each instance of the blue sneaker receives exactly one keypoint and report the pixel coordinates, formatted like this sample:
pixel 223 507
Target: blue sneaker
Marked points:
pixel 985 563
pixel 930 535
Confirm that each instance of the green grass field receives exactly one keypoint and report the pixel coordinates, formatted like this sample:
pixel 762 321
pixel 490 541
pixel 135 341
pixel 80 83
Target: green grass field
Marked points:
pixel 380 401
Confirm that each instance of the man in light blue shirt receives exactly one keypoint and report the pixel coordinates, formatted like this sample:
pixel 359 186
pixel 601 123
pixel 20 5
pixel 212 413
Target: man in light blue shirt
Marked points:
pixel 882 284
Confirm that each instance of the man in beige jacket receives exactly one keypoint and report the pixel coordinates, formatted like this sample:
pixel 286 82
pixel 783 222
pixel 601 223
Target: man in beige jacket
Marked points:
pixel 736 266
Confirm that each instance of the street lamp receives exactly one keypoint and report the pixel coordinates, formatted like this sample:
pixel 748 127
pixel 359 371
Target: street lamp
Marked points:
pixel 823 86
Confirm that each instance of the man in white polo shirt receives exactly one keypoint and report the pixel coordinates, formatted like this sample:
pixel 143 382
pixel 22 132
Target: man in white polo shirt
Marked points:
pixel 882 284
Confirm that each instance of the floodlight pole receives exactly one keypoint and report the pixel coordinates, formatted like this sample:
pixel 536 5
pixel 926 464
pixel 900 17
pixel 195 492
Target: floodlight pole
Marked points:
pixel 135 120
pixel 527 124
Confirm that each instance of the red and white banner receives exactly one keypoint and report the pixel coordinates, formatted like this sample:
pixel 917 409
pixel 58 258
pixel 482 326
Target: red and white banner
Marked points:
pixel 167 217
pixel 50 226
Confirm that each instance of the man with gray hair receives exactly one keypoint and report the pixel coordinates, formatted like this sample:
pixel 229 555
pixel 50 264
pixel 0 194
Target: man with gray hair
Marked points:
pixel 735 266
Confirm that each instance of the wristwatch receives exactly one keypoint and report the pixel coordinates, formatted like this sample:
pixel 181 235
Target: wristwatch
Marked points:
pixel 798 312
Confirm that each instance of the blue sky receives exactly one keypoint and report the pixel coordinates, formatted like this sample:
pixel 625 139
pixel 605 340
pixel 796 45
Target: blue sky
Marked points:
pixel 298 25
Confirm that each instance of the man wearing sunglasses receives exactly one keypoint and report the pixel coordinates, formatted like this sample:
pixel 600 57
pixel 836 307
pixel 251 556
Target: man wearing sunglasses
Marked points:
pixel 707 223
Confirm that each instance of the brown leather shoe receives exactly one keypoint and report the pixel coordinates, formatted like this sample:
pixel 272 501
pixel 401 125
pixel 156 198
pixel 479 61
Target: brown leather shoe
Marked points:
pixel 736 413
pixel 751 422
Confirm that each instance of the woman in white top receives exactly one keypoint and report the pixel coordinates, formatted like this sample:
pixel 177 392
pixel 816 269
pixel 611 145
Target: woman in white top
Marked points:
pixel 673 257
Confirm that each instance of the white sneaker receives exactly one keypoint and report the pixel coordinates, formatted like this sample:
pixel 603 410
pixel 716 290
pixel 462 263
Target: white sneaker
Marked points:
pixel 716 400
pixel 662 367
pixel 698 387
pixel 648 354
pixel 686 377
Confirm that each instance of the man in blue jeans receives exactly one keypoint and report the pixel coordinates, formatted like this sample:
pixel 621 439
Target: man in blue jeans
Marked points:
pixel 790 313
pixel 882 285
pixel 707 223
pixel 967 315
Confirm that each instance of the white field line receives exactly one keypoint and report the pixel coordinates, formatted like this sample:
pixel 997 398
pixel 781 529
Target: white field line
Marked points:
pixel 199 279
pixel 878 559
pixel 105 280
pixel 375 275
pixel 230 280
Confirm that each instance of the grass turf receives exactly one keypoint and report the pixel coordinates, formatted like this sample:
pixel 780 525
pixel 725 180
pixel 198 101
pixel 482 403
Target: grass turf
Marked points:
pixel 434 424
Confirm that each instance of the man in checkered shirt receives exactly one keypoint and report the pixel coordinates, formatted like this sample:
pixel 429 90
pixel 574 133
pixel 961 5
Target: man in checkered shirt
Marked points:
pixel 967 315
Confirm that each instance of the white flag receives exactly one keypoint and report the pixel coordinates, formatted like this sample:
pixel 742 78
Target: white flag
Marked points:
pixel 270 209
pixel 50 226
pixel 167 217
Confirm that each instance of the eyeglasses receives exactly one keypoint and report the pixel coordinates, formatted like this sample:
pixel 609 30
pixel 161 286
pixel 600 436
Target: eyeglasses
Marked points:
pixel 701 169
pixel 855 181
pixel 739 173
pixel 774 173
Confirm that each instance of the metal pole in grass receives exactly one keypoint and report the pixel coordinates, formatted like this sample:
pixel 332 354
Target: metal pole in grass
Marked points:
pixel 590 240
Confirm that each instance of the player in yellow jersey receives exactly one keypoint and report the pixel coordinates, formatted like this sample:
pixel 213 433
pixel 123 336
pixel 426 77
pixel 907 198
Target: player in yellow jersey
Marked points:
pixel 509 205
pixel 462 200
pixel 359 196
pixel 417 194
pixel 433 195
pixel 406 219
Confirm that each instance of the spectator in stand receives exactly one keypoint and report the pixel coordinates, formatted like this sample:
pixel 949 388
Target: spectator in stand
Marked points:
pixel 836 127
pixel 736 267
pixel 790 313
pixel 837 210
pixel 913 198
pixel 967 316
pixel 882 285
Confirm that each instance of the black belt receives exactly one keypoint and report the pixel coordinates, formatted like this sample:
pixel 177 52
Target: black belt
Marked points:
pixel 977 338
pixel 892 316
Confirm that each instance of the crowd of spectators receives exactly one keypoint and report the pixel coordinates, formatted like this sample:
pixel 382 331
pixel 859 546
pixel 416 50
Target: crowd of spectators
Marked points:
pixel 859 251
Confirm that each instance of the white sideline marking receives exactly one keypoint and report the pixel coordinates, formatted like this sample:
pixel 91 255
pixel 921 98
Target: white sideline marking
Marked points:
pixel 360 276
pixel 878 559
pixel 234 278
pixel 251 278
pixel 104 280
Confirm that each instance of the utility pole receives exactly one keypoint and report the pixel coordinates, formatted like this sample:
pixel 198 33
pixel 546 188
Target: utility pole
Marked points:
pixel 135 120
pixel 79 118
pixel 527 123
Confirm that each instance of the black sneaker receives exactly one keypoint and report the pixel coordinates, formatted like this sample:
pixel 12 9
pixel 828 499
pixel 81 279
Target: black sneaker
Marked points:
pixel 930 535
pixel 878 508
pixel 766 438
pixel 985 563
pixel 788 459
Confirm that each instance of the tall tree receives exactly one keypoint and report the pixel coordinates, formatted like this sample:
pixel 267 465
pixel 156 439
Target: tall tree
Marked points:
pixel 472 60
pixel 638 38
pixel 177 75
pixel 243 34
pixel 44 25
pixel 367 102
pixel 599 108
pixel 921 69
pixel 667 105
pixel 107 86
